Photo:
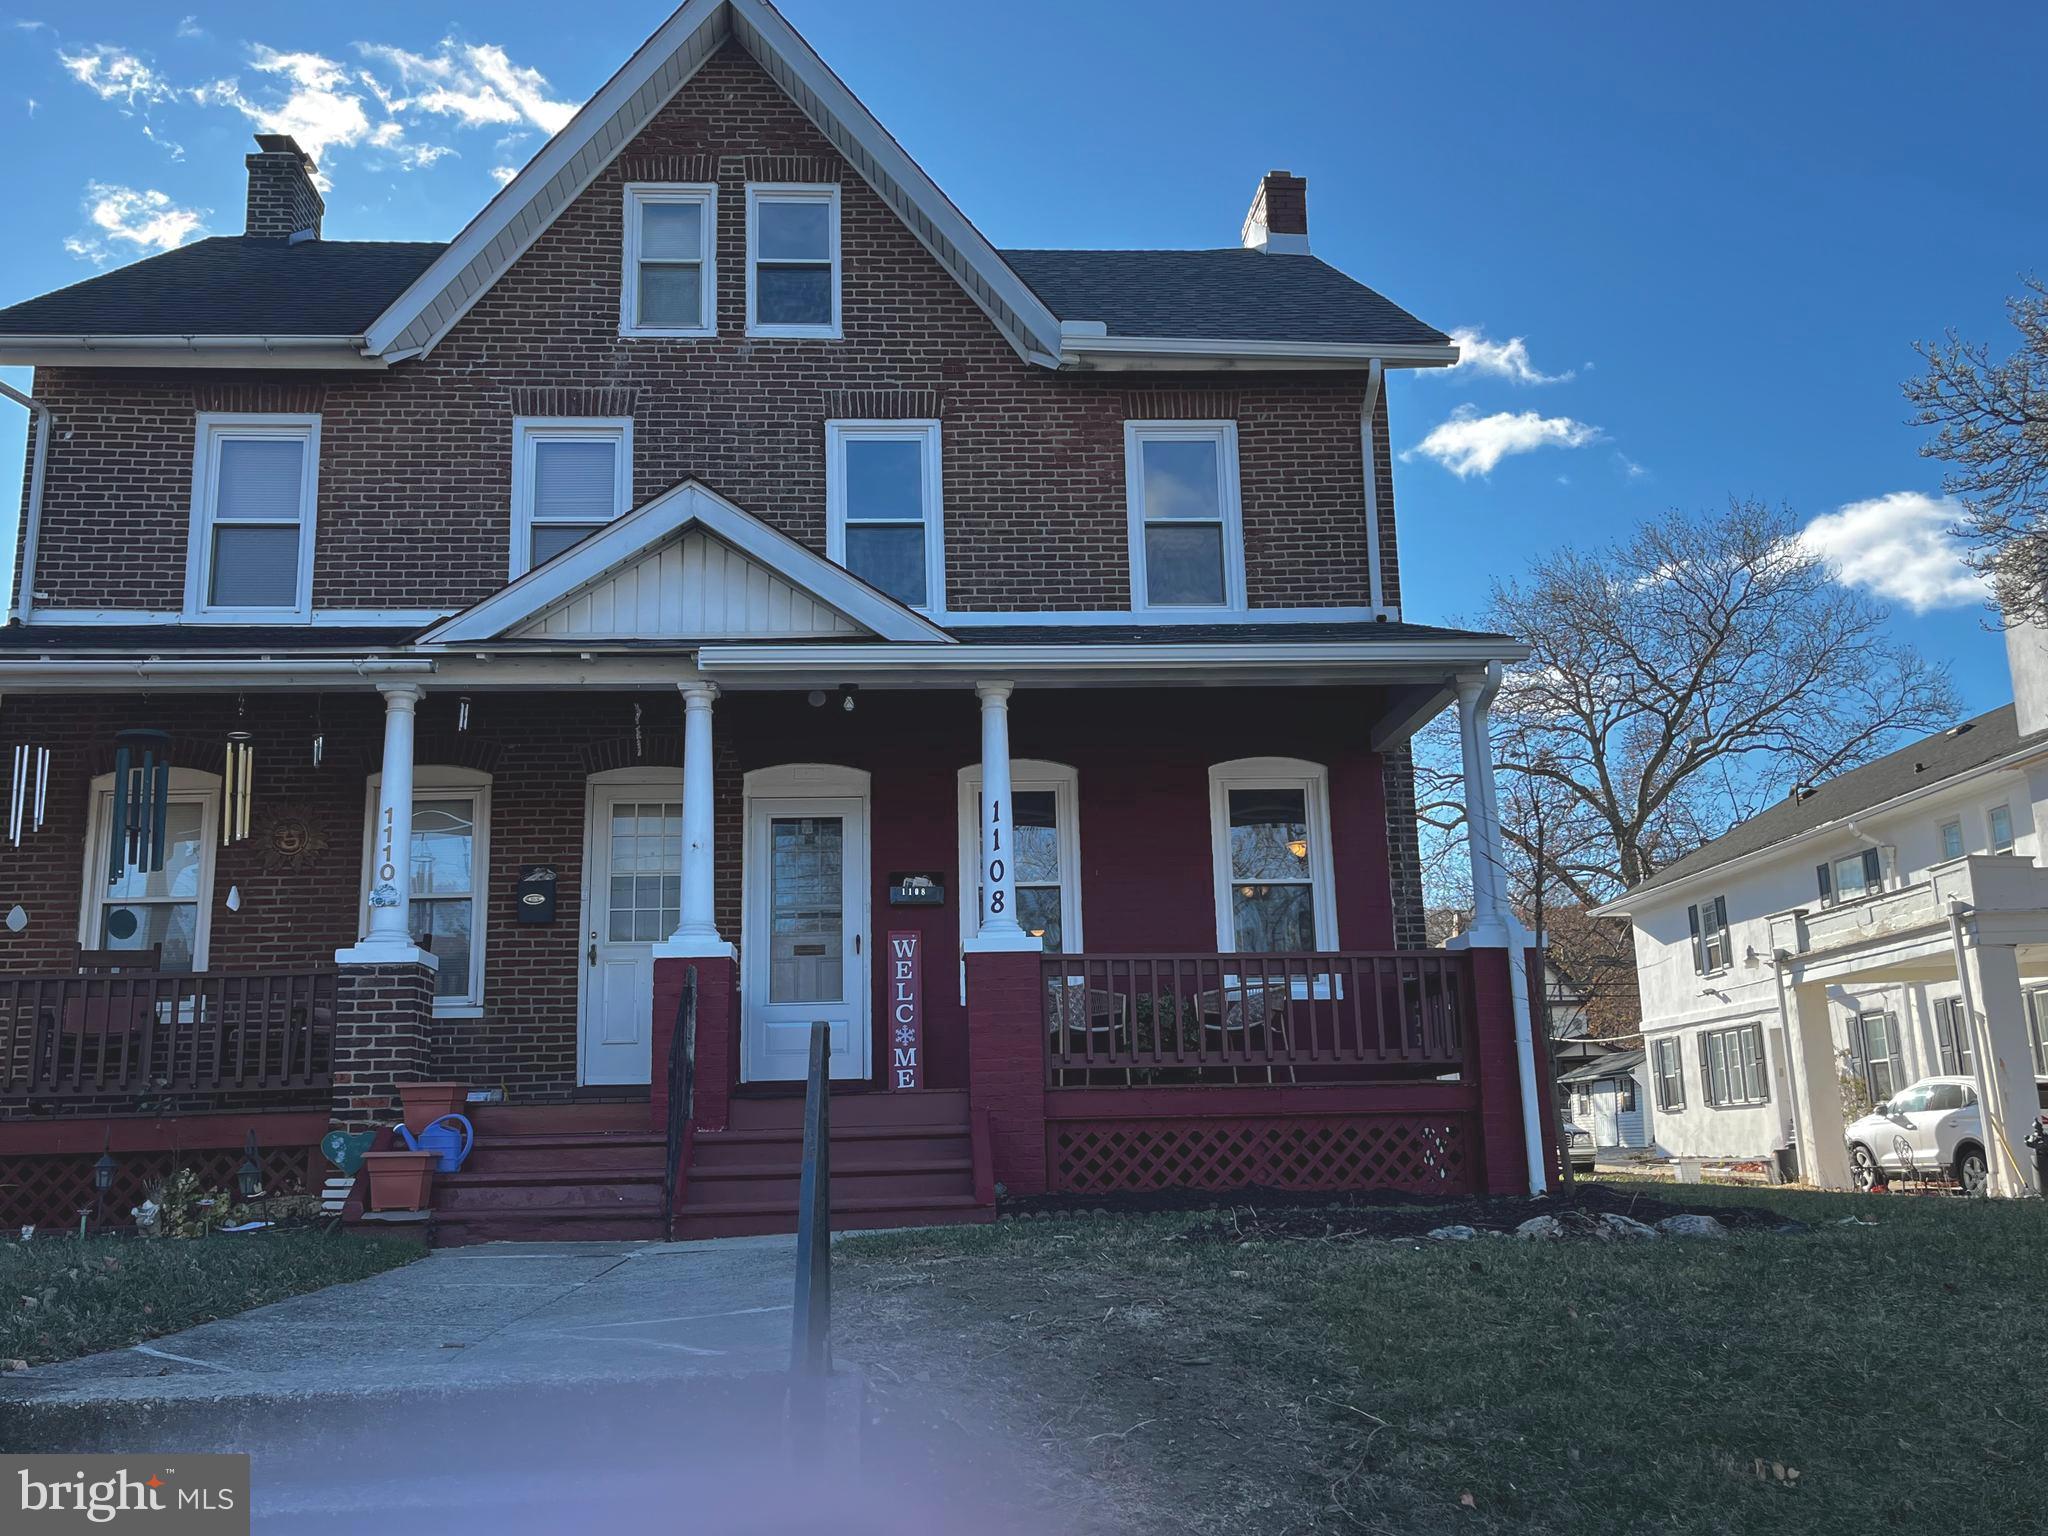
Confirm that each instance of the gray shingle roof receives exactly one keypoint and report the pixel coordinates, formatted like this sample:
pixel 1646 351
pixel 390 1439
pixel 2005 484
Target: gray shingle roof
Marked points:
pixel 1220 295
pixel 232 286
pixel 1957 750
pixel 1615 1064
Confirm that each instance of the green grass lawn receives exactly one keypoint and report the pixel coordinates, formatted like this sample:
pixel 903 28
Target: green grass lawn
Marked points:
pixel 60 1297
pixel 1886 1378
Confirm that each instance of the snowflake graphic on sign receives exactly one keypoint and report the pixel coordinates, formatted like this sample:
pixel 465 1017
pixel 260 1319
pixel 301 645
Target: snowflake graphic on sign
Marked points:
pixel 906 1035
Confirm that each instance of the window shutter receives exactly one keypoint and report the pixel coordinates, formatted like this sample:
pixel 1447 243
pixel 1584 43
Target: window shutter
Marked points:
pixel 1721 918
pixel 1699 953
pixel 1873 869
pixel 1827 881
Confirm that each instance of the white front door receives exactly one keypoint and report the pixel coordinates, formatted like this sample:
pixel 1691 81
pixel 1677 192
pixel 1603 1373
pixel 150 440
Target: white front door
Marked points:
pixel 805 938
pixel 634 873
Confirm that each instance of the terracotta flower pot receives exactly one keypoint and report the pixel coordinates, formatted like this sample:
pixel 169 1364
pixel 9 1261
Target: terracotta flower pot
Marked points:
pixel 399 1181
pixel 427 1102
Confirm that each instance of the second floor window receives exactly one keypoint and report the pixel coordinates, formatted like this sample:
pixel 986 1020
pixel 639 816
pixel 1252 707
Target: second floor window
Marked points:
pixel 792 260
pixel 1709 921
pixel 883 518
pixel 254 488
pixel 1952 839
pixel 1187 544
pixel 2001 828
pixel 569 478
pixel 669 285
pixel 1852 878
pixel 1669 1075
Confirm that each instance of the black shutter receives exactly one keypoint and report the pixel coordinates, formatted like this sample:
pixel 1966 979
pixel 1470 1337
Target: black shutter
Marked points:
pixel 1873 869
pixel 1827 881
pixel 1699 954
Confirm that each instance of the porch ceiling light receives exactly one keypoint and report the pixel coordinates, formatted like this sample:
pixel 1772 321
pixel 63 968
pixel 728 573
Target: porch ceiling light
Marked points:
pixel 1299 847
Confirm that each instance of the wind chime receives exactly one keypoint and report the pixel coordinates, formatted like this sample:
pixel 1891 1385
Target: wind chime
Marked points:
pixel 239 790
pixel 142 803
pixel 30 793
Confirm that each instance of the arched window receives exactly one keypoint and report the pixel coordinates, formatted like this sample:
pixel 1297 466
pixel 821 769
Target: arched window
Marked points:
pixel 450 875
pixel 170 907
pixel 1045 801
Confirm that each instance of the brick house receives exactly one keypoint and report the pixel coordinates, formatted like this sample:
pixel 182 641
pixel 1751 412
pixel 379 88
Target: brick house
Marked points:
pixel 705 573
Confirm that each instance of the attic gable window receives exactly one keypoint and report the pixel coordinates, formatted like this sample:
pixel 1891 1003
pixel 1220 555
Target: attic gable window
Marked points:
pixel 669 279
pixel 569 478
pixel 1180 485
pixel 792 260
pixel 255 483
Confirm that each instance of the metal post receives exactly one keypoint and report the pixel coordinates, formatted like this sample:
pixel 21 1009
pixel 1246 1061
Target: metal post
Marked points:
pixel 811 1344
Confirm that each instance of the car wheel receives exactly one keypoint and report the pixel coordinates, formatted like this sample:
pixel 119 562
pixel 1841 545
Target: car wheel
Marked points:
pixel 1971 1173
pixel 1863 1167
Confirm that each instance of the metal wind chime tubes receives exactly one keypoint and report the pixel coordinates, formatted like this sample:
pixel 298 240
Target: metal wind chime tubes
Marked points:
pixel 240 788
pixel 142 803
pixel 30 791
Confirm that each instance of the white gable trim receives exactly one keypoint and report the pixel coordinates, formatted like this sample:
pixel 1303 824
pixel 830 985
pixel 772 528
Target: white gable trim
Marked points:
pixel 639 531
pixel 509 224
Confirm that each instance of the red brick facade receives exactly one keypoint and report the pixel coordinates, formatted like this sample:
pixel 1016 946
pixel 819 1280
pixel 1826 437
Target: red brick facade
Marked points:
pixel 415 462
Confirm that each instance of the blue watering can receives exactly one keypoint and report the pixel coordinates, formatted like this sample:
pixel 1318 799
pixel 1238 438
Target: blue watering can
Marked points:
pixel 448 1138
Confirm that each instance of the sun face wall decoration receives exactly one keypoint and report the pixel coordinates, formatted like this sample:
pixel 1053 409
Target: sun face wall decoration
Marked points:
pixel 289 838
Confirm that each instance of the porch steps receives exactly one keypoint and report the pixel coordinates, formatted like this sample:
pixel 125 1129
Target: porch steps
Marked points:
pixel 540 1172
pixel 898 1160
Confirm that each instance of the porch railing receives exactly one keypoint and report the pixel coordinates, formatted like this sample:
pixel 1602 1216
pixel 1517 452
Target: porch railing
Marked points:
pixel 150 1033
pixel 1161 1020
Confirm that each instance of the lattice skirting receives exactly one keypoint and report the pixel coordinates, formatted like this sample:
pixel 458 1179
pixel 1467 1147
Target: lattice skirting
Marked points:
pixel 1420 1154
pixel 50 1189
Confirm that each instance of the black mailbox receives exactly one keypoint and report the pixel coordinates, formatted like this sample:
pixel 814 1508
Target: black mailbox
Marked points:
pixel 536 893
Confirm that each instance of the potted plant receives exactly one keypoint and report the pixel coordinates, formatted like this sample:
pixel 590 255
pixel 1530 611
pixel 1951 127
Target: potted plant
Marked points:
pixel 427 1102
pixel 399 1181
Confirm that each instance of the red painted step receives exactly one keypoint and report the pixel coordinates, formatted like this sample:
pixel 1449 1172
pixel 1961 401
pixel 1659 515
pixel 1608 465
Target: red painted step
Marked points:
pixel 694 1222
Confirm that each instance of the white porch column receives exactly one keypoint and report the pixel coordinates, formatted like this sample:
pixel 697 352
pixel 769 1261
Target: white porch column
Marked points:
pixel 1482 817
pixel 696 934
pixel 388 939
pixel 1997 1009
pixel 999 929
pixel 1823 1157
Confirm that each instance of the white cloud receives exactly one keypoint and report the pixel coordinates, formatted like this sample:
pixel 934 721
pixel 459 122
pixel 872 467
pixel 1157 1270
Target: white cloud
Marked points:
pixel 1470 444
pixel 502 174
pixel 1899 547
pixel 316 106
pixel 474 83
pixel 188 26
pixel 145 221
pixel 114 74
pixel 1629 466
pixel 1505 359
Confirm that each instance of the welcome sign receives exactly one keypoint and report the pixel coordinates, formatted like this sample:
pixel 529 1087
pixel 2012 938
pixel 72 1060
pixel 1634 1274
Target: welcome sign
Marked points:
pixel 906 1010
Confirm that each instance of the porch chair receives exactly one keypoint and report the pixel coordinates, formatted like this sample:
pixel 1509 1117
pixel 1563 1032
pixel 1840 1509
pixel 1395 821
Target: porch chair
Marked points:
pixel 1072 1008
pixel 1256 1013
pixel 93 1025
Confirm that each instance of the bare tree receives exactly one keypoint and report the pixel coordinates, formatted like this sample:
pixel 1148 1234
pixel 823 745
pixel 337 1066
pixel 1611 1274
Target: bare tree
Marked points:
pixel 1990 422
pixel 1679 681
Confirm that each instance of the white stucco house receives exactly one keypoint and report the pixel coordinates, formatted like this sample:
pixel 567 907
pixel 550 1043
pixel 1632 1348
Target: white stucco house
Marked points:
pixel 1888 924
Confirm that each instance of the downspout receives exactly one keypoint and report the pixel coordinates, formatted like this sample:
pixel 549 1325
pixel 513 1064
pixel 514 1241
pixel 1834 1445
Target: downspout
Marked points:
pixel 32 514
pixel 1990 1104
pixel 1517 949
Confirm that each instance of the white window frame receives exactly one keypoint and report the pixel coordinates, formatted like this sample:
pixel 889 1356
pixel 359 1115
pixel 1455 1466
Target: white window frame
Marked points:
pixel 1953 824
pixel 187 784
pixel 434 781
pixel 1274 773
pixel 1228 505
pixel 527 432
pixel 925 433
pixel 1026 775
pixel 638 194
pixel 214 428
pixel 1991 816
pixel 827 193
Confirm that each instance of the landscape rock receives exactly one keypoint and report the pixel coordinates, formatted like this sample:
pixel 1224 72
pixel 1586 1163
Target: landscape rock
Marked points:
pixel 1618 1225
pixel 1691 1224
pixel 1456 1233
pixel 1541 1229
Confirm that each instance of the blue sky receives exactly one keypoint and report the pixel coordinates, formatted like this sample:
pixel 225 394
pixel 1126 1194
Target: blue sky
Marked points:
pixel 1697 244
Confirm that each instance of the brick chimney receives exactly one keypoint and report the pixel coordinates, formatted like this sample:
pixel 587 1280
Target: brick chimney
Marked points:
pixel 1278 221
pixel 283 202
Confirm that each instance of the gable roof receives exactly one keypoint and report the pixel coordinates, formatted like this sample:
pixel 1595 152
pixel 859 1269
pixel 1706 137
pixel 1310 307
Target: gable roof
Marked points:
pixel 232 285
pixel 515 608
pixel 572 159
pixel 1231 295
pixel 1959 750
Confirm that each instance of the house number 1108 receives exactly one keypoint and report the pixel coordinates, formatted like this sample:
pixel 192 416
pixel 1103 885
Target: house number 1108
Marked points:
pixel 994 872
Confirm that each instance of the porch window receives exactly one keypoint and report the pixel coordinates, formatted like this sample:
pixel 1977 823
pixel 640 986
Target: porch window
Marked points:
pixel 883 518
pixel 1270 839
pixel 2037 1028
pixel 167 907
pixel 2001 828
pixel 669 284
pixel 448 865
pixel 1877 1047
pixel 1952 839
pixel 1187 544
pixel 792 260
pixel 569 478
pixel 255 483
pixel 1709 920
pixel 1952 1037
pixel 1732 1066
pixel 1669 1065
pixel 1046 858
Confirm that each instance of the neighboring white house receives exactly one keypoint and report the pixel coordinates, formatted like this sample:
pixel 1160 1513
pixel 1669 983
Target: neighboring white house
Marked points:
pixel 1887 924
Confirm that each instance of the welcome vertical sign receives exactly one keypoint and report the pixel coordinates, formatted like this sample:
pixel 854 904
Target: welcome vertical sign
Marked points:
pixel 906 1010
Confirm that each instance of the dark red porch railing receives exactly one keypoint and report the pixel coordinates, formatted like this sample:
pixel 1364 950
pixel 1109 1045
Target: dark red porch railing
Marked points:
pixel 1159 1020
pixel 154 1032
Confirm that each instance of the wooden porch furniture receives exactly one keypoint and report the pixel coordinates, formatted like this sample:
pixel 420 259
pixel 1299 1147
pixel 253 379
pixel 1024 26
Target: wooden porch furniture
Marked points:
pixel 1073 1009
pixel 1255 1014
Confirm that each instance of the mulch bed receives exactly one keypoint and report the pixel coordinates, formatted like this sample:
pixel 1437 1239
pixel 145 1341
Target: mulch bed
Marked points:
pixel 1253 1215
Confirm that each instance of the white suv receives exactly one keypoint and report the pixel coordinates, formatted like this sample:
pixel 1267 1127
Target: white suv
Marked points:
pixel 1931 1127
